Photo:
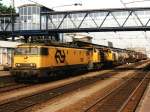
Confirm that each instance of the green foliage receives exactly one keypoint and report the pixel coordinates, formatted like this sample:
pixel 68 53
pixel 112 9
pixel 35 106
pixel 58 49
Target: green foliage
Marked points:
pixel 6 10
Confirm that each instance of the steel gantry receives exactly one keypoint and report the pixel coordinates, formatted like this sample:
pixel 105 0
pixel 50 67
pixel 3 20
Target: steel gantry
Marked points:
pixel 104 20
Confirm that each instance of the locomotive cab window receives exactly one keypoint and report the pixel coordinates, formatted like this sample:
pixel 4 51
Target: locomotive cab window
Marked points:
pixel 43 51
pixel 26 51
pixel 31 51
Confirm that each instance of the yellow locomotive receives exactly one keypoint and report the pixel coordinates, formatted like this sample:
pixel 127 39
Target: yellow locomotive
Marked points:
pixel 42 60
pixel 39 60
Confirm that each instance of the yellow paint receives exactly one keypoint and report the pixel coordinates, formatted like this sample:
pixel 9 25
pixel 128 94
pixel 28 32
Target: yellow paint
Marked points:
pixel 95 56
pixel 109 55
pixel 27 59
pixel 73 56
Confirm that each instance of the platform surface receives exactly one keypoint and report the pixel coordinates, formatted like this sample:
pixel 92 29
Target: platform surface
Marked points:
pixel 144 105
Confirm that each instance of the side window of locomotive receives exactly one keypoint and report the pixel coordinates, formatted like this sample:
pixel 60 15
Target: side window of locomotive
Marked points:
pixel 44 51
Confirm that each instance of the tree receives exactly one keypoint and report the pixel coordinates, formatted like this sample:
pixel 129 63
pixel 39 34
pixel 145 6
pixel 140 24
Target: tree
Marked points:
pixel 6 10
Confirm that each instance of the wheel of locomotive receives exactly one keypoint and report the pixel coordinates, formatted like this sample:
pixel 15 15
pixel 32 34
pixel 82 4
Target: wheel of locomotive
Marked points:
pixel 18 79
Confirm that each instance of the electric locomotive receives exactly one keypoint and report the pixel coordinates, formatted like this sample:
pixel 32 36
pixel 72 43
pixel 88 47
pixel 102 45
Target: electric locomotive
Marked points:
pixel 39 60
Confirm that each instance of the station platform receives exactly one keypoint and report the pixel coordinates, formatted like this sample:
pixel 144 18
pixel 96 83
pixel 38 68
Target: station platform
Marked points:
pixel 144 105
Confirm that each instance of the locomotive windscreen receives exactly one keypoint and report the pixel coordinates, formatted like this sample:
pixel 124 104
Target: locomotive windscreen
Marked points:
pixel 31 51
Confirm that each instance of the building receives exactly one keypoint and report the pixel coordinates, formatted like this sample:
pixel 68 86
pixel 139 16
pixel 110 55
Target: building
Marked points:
pixel 29 15
pixel 29 19
pixel 7 53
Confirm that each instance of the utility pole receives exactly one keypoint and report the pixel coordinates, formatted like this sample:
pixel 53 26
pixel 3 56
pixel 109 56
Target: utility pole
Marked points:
pixel 13 19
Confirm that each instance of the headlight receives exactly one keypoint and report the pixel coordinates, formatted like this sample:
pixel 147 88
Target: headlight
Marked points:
pixel 17 65
pixel 33 64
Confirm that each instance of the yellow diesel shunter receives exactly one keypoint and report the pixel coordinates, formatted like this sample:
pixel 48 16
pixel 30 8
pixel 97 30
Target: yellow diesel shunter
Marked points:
pixel 33 60
pixel 95 59
pixel 107 56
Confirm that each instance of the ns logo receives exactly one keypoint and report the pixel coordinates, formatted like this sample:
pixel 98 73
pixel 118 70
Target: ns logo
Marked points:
pixel 60 56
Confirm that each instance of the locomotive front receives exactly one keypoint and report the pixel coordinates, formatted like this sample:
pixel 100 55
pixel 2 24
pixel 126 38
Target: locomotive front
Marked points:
pixel 28 61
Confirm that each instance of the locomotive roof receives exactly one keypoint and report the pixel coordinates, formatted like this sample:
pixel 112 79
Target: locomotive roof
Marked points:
pixel 49 44
pixel 76 44
pixel 100 46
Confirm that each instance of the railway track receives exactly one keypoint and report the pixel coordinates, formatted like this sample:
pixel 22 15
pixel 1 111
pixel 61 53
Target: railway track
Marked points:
pixel 123 98
pixel 6 81
pixel 132 102
pixel 12 87
pixel 23 103
pixel 15 85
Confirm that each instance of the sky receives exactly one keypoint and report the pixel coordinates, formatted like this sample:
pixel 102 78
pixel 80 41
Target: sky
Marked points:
pixel 86 4
pixel 119 39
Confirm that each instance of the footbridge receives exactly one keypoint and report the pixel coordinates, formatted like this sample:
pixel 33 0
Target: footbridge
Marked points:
pixel 103 20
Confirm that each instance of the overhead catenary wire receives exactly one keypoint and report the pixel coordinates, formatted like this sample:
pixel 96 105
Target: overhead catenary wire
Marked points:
pixel 134 1
pixel 74 4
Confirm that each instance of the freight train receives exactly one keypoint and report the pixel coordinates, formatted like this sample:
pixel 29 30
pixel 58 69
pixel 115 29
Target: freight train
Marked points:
pixel 43 60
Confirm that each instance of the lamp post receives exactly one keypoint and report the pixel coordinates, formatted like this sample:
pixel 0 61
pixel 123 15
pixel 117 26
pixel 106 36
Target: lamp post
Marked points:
pixel 13 19
pixel 75 4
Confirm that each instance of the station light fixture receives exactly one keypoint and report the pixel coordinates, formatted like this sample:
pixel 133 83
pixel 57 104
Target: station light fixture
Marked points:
pixel 78 4
pixel 75 4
